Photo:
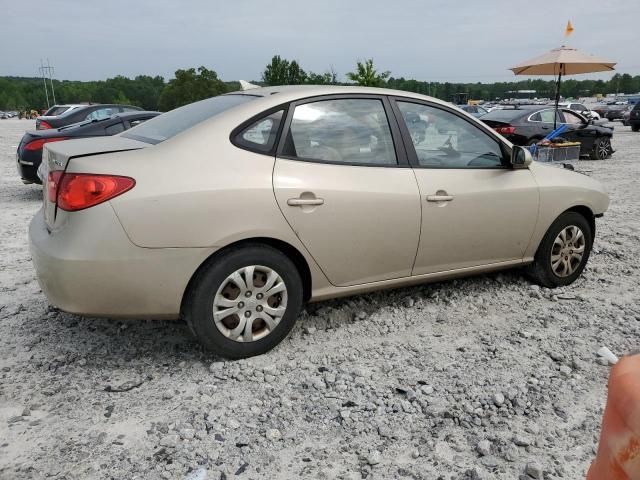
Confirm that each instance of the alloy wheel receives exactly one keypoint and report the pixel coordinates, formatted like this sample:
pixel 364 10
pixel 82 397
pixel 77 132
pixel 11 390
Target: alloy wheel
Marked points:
pixel 604 148
pixel 567 251
pixel 250 303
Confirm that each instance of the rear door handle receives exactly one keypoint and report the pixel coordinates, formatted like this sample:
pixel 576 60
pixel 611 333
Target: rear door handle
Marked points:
pixel 300 202
pixel 439 198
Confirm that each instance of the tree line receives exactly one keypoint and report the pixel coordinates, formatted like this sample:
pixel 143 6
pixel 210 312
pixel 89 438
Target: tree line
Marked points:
pixel 189 85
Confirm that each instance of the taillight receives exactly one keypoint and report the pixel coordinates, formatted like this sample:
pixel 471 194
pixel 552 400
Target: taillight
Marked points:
pixel 42 125
pixel 52 185
pixel 77 191
pixel 39 143
pixel 506 130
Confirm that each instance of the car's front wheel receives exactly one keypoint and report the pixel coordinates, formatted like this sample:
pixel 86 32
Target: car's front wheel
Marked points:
pixel 601 149
pixel 244 302
pixel 563 252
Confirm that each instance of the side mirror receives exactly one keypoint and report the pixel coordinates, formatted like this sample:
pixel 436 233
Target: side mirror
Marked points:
pixel 520 157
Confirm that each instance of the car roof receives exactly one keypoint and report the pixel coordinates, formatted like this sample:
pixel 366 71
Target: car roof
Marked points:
pixel 288 93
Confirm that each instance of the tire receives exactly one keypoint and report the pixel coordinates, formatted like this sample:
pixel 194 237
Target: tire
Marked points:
pixel 635 127
pixel 542 271
pixel 601 149
pixel 213 289
pixel 533 141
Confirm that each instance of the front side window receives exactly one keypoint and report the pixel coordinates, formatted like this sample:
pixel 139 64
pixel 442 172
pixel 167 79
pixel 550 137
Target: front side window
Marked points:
pixel 571 118
pixel 261 134
pixel 444 140
pixel 352 131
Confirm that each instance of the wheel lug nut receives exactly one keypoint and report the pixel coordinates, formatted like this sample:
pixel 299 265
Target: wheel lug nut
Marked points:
pixel 241 305
pixel 259 296
pixel 247 314
pixel 259 308
pixel 248 294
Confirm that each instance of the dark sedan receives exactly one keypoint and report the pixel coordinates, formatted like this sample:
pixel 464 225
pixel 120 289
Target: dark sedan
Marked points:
pixel 616 112
pixel 86 112
pixel 475 110
pixel 29 154
pixel 527 126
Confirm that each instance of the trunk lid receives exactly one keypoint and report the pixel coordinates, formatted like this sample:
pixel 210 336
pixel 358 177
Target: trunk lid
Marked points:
pixel 56 157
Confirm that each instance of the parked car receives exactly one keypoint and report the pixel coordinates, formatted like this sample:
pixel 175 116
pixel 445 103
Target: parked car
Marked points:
pixel 615 112
pixel 57 110
pixel 634 117
pixel 475 110
pixel 233 211
pixel 527 126
pixel 581 109
pixel 601 109
pixel 84 112
pixel 29 156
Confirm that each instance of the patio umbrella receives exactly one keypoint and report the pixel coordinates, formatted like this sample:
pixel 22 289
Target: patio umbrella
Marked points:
pixel 560 62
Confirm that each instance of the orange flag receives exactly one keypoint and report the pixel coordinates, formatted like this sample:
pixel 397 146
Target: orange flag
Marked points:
pixel 569 30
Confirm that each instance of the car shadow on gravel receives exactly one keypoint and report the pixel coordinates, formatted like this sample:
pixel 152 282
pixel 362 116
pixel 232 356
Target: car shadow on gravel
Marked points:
pixel 27 193
pixel 112 341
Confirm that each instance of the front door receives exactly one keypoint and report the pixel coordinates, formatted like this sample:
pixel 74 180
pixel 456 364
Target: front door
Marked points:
pixel 338 182
pixel 476 210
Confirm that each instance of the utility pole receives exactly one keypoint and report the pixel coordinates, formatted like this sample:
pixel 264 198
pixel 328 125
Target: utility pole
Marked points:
pixel 44 81
pixel 51 71
pixel 47 70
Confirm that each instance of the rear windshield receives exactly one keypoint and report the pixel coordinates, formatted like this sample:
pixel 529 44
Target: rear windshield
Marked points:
pixel 505 115
pixel 172 123
pixel 54 111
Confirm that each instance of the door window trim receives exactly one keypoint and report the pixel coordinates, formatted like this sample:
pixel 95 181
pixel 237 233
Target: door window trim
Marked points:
pixel 411 150
pixel 396 137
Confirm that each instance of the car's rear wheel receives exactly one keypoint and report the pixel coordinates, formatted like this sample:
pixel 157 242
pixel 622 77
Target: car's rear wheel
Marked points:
pixel 563 252
pixel 635 127
pixel 244 302
pixel 601 149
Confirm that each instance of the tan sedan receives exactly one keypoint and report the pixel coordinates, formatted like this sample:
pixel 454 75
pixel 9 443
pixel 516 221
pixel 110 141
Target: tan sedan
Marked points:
pixel 234 211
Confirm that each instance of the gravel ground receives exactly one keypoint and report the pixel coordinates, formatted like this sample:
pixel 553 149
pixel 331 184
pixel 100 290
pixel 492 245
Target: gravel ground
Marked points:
pixel 485 378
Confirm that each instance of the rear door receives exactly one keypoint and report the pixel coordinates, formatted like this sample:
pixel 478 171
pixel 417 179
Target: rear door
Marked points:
pixel 346 189
pixel 476 210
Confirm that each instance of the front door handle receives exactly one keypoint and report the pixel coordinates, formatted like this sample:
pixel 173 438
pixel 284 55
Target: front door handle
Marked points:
pixel 301 202
pixel 439 198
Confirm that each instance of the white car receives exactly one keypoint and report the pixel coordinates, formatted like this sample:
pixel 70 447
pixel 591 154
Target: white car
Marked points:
pixel 580 108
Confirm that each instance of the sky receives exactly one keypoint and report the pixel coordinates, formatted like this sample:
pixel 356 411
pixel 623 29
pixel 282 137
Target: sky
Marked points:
pixel 430 40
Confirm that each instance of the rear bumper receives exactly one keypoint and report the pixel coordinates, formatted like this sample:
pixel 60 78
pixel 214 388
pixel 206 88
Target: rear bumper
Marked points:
pixel 28 170
pixel 90 267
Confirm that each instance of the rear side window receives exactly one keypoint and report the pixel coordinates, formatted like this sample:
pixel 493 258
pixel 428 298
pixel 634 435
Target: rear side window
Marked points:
pixel 349 131
pixel 261 135
pixel 176 121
